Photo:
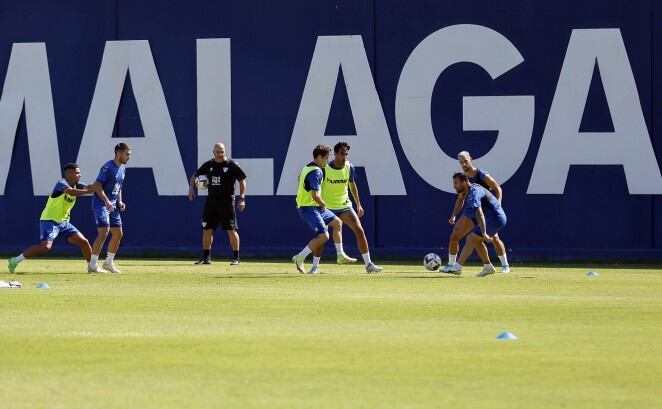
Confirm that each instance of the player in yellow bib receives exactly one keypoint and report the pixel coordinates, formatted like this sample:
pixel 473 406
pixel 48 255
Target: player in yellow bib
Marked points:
pixel 54 220
pixel 338 182
pixel 312 209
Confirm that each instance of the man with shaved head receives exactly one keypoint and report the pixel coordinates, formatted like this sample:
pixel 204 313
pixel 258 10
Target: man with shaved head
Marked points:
pixel 221 175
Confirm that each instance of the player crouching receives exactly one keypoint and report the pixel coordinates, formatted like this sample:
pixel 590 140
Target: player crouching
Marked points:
pixel 483 210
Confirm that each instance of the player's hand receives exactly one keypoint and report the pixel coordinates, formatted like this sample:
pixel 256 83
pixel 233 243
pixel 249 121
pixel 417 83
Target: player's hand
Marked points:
pixel 191 194
pixel 359 211
pixel 487 238
pixel 451 221
pixel 241 205
pixel 121 206
pixel 109 206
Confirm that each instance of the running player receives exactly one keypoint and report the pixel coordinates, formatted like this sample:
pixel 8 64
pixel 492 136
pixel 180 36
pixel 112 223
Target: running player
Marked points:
pixel 478 176
pixel 312 208
pixel 54 220
pixel 222 174
pixel 338 182
pixel 483 211
pixel 107 205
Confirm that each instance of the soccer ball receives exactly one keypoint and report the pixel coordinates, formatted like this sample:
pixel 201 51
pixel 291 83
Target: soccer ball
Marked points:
pixel 201 182
pixel 432 261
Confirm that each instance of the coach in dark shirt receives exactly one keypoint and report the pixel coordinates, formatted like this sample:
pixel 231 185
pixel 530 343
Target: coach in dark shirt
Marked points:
pixel 222 174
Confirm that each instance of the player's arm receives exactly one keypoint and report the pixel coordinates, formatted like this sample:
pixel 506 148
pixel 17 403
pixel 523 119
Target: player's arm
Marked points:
pixel 98 189
pixel 120 201
pixel 459 203
pixel 76 191
pixel 494 187
pixel 357 201
pixel 480 218
pixel 317 197
pixel 242 195
pixel 191 186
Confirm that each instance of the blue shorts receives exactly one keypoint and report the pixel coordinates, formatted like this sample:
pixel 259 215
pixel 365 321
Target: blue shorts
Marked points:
pixel 104 218
pixel 49 230
pixel 316 218
pixel 493 225
pixel 341 211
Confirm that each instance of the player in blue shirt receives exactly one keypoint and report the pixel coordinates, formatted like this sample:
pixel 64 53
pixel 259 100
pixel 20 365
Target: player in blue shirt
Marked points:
pixel 107 205
pixel 482 210
pixel 461 229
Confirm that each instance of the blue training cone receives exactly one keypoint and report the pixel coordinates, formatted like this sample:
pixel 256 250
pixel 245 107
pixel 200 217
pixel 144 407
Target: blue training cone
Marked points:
pixel 43 285
pixel 592 274
pixel 506 336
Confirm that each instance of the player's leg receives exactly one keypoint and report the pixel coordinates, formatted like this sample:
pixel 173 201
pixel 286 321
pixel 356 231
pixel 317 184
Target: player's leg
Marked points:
pixel 233 236
pixel 317 242
pixel 460 230
pixel 229 224
pixel 102 220
pixel 351 219
pixel 38 249
pixel 500 249
pixel 207 240
pixel 474 242
pixel 79 240
pixel 33 251
pixel 317 256
pixel 313 217
pixel 116 234
pixel 331 220
pixel 210 221
pixel 336 227
pixel 48 231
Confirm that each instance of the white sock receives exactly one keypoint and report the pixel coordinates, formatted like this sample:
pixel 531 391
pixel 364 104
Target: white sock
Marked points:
pixel 20 258
pixel 504 260
pixel 304 253
pixel 339 249
pixel 366 258
pixel 109 258
pixel 488 265
pixel 93 260
pixel 452 258
pixel 316 261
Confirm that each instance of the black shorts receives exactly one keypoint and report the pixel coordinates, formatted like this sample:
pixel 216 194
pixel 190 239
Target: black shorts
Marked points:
pixel 219 210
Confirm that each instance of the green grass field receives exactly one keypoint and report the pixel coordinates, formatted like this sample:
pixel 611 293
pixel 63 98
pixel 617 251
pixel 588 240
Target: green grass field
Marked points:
pixel 167 334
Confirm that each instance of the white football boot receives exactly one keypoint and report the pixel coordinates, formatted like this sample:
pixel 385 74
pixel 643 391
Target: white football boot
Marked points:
pixel 112 268
pixel 487 270
pixel 455 269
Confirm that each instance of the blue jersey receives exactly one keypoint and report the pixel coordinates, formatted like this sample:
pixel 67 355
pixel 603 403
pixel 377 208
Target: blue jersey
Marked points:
pixel 480 178
pixel 111 178
pixel 478 196
pixel 314 179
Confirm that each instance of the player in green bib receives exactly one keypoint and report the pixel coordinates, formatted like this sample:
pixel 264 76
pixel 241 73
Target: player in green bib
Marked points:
pixel 54 220
pixel 338 182
pixel 312 209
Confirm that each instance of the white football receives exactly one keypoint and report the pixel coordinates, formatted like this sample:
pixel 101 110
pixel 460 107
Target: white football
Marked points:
pixel 201 182
pixel 432 261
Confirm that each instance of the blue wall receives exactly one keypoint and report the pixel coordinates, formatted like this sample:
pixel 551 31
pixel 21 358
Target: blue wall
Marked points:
pixel 272 46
